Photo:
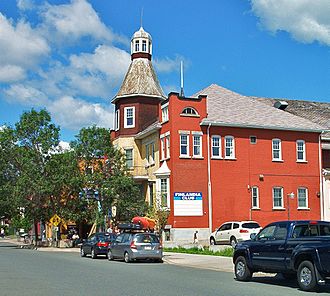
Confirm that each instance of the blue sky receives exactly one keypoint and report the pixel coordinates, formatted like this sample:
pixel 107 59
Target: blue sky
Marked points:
pixel 70 56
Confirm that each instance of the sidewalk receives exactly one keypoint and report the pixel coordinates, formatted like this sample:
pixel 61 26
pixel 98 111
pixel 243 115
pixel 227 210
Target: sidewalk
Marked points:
pixel 216 263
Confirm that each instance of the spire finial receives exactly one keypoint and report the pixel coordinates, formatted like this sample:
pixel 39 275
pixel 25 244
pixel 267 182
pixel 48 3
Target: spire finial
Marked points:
pixel 141 18
pixel 181 72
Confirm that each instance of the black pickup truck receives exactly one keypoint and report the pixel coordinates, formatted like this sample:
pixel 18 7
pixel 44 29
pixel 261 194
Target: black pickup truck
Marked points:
pixel 296 249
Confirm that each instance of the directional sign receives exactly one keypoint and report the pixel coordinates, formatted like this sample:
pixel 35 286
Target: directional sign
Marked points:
pixel 55 220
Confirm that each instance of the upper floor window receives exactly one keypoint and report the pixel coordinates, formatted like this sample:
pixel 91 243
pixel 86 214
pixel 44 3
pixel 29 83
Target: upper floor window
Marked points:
pixel 255 197
pixel 165 113
pixel 164 190
pixel 129 157
pixel 189 111
pixel 302 198
pixel 278 197
pixel 150 153
pixel 197 145
pixel 137 45
pixel 184 145
pixel 144 45
pixel 229 147
pixel 117 118
pixel 168 144
pixel 162 147
pixel 301 152
pixel 276 149
pixel 216 146
pixel 129 120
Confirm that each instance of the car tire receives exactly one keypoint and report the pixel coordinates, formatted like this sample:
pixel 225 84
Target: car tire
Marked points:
pixel 212 241
pixel 110 256
pixel 82 253
pixel 159 260
pixel 242 271
pixel 127 258
pixel 93 254
pixel 233 241
pixel 306 276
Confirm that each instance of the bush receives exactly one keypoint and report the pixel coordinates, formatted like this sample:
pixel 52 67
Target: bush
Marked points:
pixel 228 252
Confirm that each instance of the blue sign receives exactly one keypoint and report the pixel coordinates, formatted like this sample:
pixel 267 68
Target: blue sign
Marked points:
pixel 188 196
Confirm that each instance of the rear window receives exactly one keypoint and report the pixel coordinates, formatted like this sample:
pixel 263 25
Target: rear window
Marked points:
pixel 107 238
pixel 250 225
pixel 146 238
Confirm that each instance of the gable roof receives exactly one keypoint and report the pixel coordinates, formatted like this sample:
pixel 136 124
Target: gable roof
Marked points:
pixel 317 112
pixel 141 80
pixel 227 108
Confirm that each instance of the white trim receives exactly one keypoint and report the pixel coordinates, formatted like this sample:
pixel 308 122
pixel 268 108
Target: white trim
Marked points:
pixel 125 117
pixel 306 191
pixel 232 156
pixel 219 147
pixel 117 120
pixel 197 136
pixel 304 151
pixel 282 198
pixel 279 149
pixel 129 148
pixel 188 148
pixel 257 206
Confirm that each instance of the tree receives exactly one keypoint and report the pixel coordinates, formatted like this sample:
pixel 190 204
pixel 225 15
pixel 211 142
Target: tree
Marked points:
pixel 104 172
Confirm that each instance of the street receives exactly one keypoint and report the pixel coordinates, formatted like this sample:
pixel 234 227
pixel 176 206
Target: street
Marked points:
pixel 31 272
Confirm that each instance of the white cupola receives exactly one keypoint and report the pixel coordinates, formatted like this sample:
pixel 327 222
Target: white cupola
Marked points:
pixel 141 44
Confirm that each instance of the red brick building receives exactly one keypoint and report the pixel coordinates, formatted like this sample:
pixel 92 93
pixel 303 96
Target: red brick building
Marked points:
pixel 220 156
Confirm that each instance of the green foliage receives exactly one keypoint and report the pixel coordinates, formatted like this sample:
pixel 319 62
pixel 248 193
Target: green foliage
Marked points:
pixel 21 222
pixel 227 252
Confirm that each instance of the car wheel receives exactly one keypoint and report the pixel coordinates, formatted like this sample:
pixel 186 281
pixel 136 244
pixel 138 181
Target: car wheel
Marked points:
pixel 93 254
pixel 306 276
pixel 212 241
pixel 127 258
pixel 110 256
pixel 242 271
pixel 82 252
pixel 233 241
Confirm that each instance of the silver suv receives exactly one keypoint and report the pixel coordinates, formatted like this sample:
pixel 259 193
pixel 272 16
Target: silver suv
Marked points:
pixel 131 246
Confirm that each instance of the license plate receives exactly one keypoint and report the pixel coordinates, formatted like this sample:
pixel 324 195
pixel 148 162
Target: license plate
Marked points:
pixel 147 248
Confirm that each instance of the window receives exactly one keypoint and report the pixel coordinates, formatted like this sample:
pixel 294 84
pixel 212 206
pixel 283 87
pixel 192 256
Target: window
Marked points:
pixel 226 226
pixel 273 232
pixel 150 153
pixel 162 145
pixel 117 120
pixel 277 197
pixel 168 143
pixel 129 157
pixel 276 148
pixel 129 117
pixel 255 197
pixel 253 140
pixel 197 145
pixel 301 155
pixel 164 192
pixel 302 198
pixel 137 45
pixel 165 113
pixel 165 146
pixel 184 145
pixel 189 111
pixel 144 45
pixel 229 147
pixel 216 146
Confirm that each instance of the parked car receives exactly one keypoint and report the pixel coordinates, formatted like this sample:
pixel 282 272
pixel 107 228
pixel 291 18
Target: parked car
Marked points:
pixel 233 232
pixel 131 246
pixel 97 244
pixel 296 249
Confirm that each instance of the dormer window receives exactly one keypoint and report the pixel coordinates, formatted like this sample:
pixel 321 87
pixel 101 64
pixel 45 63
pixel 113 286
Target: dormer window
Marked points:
pixel 144 45
pixel 189 111
pixel 137 45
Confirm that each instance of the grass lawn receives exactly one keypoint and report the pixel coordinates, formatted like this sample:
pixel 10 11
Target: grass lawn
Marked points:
pixel 228 252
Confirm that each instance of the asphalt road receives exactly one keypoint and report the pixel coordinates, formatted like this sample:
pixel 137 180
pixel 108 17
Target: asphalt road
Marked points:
pixel 31 272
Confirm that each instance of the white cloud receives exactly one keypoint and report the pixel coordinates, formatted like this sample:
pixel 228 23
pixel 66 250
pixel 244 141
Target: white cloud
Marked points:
pixel 75 20
pixel 11 73
pixel 307 21
pixel 26 95
pixel 25 4
pixel 75 113
pixel 167 65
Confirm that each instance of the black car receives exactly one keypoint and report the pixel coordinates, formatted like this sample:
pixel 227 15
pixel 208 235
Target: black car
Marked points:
pixel 97 244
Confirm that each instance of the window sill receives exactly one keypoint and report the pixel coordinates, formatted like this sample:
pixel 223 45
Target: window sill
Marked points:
pixel 216 157
pixel 184 156
pixel 277 160
pixel 165 121
pixel 197 157
pixel 129 126
pixel 255 209
pixel 230 158
pixel 279 209
pixel 302 161
pixel 167 158
pixel 303 209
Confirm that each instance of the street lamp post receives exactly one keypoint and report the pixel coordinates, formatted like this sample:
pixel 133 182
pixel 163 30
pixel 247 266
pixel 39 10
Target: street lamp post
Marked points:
pixel 289 196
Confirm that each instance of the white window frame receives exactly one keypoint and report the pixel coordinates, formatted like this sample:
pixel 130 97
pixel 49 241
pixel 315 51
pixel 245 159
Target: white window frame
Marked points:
pixel 160 192
pixel 281 196
pixel 217 147
pixel 186 134
pixel 137 45
pixel 126 149
pixel 126 109
pixel 299 197
pixel 197 146
pixel 144 45
pixel 167 146
pixel 162 147
pixel 303 151
pixel 117 120
pixel 275 149
pixel 165 116
pixel 231 147
pixel 255 196
pixel 150 153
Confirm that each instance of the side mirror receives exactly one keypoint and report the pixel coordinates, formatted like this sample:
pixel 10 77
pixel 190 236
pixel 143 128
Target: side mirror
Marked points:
pixel 253 236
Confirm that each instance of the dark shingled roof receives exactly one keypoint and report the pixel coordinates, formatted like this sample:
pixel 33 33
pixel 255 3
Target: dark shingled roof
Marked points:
pixel 317 112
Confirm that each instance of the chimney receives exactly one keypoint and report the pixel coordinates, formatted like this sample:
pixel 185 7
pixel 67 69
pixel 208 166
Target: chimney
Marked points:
pixel 281 105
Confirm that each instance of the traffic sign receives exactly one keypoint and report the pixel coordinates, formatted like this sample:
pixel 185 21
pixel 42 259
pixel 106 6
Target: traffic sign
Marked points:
pixel 55 220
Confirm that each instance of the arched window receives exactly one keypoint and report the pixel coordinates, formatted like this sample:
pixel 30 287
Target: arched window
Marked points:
pixel 189 111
